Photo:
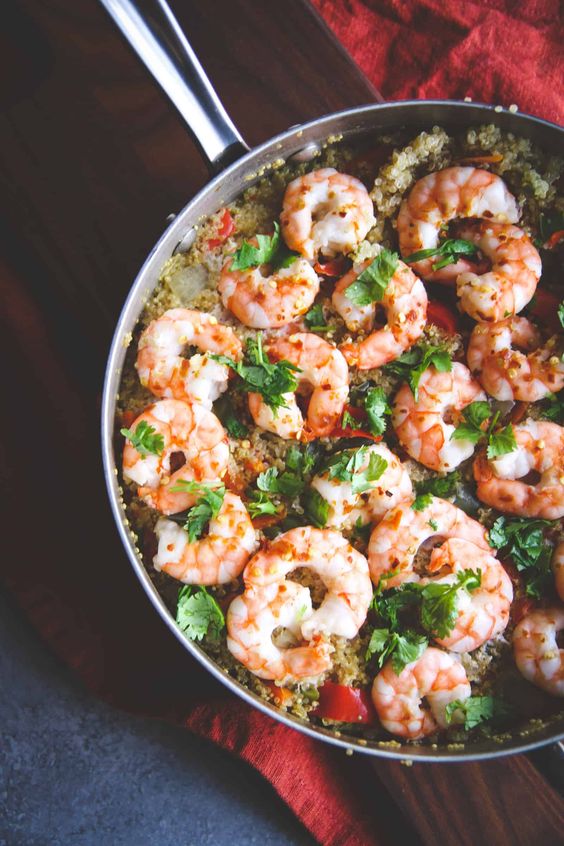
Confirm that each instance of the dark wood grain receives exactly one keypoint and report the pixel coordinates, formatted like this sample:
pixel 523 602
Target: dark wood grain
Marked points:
pixel 92 159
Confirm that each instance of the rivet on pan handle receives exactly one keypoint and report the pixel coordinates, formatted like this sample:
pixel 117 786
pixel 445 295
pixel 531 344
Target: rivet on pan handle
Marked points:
pixel 155 35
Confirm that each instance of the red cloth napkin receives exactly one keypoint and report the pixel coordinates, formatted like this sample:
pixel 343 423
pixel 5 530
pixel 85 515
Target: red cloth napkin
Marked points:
pixel 86 601
pixel 494 51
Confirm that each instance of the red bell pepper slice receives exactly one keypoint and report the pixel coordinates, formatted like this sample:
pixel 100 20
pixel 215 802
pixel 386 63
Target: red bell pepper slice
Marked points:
pixel 442 317
pixel 335 267
pixel 344 704
pixel 226 228
pixel 554 239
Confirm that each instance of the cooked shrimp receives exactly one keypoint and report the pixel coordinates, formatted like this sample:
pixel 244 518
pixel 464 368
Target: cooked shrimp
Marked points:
pixel 558 569
pixel 483 613
pixel 435 200
pixel 405 305
pixel 166 373
pixel 511 283
pixel 436 677
pixel 324 369
pixel 540 448
pixel 342 569
pixel 396 539
pixel 190 432
pixel 253 618
pixel 510 374
pixel 215 559
pixel 347 508
pixel 261 299
pixel 325 212
pixel 536 649
pixel 422 426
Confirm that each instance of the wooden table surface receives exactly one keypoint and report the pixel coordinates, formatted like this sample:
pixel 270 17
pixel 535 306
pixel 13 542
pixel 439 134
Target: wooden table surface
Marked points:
pixel 92 160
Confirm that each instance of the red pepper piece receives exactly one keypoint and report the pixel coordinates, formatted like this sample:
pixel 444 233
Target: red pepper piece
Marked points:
pixel 345 704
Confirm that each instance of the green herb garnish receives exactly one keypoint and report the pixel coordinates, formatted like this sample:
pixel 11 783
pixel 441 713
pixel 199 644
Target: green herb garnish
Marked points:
pixel 316 508
pixel 144 439
pixel 524 541
pixel 346 466
pixel 224 410
pixel 377 409
pixel 206 508
pixel 552 407
pixel 412 364
pixel 271 250
pixel 260 376
pixel 448 252
pixel 442 486
pixel 401 648
pixel 370 285
pixel 476 710
pixel 561 313
pixel 198 613
pixel 475 415
pixel 315 319
pixel 439 607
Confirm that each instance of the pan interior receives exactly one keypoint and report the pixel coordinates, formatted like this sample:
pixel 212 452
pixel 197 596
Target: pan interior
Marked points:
pixel 350 126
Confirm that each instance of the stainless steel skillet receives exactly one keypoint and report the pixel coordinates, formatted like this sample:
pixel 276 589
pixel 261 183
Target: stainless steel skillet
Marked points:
pixel 156 37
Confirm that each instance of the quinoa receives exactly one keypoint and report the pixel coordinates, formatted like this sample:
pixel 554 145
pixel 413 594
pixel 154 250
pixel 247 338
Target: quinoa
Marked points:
pixel 189 280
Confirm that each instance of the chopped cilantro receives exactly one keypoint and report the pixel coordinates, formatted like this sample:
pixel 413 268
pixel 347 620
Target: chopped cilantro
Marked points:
pixel 260 503
pixel 412 364
pixel 271 250
pixel 198 613
pixel 561 313
pixel 401 648
pixel 370 285
pixel 439 608
pixel 224 410
pixel 206 508
pixel 260 376
pixel 377 408
pixel 475 415
pixel 144 439
pixel 475 710
pixel 434 525
pixel 524 541
pixel 448 252
pixel 552 407
pixel 442 486
pixel 316 508
pixel 315 319
pixel 346 466
pixel 502 442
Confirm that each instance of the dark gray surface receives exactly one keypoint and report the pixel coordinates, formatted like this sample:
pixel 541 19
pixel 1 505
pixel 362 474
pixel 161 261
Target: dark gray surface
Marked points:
pixel 75 771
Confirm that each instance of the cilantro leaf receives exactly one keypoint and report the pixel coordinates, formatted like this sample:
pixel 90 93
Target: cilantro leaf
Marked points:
pixel 260 503
pixel 442 486
pixel 552 407
pixel 370 285
pixel 474 414
pixel 316 508
pixel 287 484
pixel 502 442
pixel 315 319
pixel 561 313
pixel 144 439
pixel 412 364
pixel 402 648
pixel 347 466
pixel 198 613
pixel 476 710
pixel 524 541
pixel 206 508
pixel 261 376
pixel 377 407
pixel 448 252
pixel 224 410
pixel 270 249
pixel 439 607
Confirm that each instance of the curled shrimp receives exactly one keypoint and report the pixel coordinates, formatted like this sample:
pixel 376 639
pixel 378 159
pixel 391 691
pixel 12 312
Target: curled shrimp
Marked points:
pixel 511 374
pixel 421 425
pixel 342 569
pixel 558 569
pixel 166 373
pixel 190 432
pixel 263 299
pixel 511 283
pixel 537 654
pixel 218 557
pixel 254 617
pixel 437 199
pixel 324 370
pixel 405 305
pixel 346 508
pixel 395 541
pixel 435 677
pixel 483 613
pixel 501 481
pixel 325 212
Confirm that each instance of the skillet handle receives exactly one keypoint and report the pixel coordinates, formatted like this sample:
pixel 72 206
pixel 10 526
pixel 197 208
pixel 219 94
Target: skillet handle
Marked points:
pixel 155 35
